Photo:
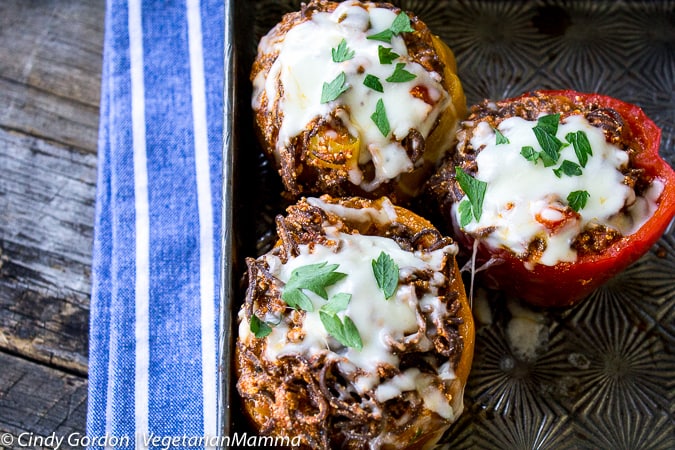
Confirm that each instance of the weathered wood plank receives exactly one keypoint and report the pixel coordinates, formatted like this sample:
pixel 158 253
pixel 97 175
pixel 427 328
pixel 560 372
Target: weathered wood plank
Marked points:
pixel 50 74
pixel 46 232
pixel 38 401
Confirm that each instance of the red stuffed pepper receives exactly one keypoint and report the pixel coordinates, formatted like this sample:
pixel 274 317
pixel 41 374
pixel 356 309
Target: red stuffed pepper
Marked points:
pixel 555 192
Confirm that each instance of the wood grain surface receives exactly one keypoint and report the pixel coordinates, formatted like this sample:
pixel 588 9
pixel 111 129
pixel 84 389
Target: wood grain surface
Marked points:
pixel 50 77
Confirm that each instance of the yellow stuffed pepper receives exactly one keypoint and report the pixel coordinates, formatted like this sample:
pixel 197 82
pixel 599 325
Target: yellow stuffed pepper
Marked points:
pixel 355 331
pixel 355 98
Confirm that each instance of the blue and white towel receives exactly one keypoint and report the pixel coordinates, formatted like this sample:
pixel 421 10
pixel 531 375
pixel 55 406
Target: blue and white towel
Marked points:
pixel 154 307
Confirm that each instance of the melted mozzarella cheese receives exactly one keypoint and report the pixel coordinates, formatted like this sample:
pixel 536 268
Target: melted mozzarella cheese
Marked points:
pixel 304 63
pixel 520 191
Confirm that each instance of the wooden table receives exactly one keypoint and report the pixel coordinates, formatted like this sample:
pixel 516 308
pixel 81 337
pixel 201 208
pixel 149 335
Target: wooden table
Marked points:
pixel 50 76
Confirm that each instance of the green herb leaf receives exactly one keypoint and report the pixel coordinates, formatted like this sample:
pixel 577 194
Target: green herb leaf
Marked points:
pixel 582 147
pixel 474 189
pixel 373 82
pixel 384 36
pixel 351 334
pixel 401 75
pixel 297 299
pixel 386 55
pixel 530 154
pixel 465 214
pixel 337 303
pixel 342 52
pixel 313 277
pixel 577 199
pixel 549 123
pixel 550 146
pixel 386 274
pixel 401 24
pixel 380 118
pixel 331 91
pixel 569 168
pixel 501 139
pixel 259 328
pixel 345 332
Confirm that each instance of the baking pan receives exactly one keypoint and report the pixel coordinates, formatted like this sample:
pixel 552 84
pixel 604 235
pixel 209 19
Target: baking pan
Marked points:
pixel 597 375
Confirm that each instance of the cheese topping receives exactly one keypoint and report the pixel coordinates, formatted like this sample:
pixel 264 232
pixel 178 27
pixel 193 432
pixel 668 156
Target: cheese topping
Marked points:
pixel 378 320
pixel 525 200
pixel 304 63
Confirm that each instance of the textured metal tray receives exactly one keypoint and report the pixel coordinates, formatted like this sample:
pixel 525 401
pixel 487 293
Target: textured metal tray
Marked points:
pixel 600 375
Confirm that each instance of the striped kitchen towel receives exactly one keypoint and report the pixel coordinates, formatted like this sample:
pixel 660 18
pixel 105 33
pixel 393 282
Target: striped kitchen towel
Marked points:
pixel 154 306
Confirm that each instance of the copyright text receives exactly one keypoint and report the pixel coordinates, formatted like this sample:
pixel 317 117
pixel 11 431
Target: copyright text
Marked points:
pixel 54 441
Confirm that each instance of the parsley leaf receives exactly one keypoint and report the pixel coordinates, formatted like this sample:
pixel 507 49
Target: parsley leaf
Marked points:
pixel 380 118
pixel 549 123
pixel 337 303
pixel 313 277
pixel 259 328
pixel 344 331
pixel 384 36
pixel 569 168
pixel 401 75
pixel 500 138
pixel 331 91
pixel 474 189
pixel 582 147
pixel 373 82
pixel 342 52
pixel 297 299
pixel 465 214
pixel 550 146
pixel 530 154
pixel 386 55
pixel 401 24
pixel 577 199
pixel 386 274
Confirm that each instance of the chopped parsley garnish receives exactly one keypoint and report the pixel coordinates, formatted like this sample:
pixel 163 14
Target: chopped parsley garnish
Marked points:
pixel 577 199
pixel 401 24
pixel 331 91
pixel 344 331
pixel 545 130
pixel 549 123
pixel 342 52
pixel 569 168
pixel 373 82
pixel 259 328
pixel 530 154
pixel 465 214
pixel 386 274
pixel 550 146
pixel 384 36
pixel 582 147
pixel 500 138
pixel 386 55
pixel 474 190
pixel 380 118
pixel 313 277
pixel 337 303
pixel 401 75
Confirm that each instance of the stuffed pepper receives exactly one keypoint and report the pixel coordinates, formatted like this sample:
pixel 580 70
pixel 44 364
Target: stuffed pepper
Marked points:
pixel 355 98
pixel 355 331
pixel 555 192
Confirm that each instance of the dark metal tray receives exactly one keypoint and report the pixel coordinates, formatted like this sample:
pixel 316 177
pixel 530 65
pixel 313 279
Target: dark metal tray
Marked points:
pixel 598 375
